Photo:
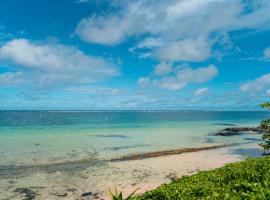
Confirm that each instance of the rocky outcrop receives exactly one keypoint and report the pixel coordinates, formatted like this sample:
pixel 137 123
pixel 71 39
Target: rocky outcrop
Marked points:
pixel 239 130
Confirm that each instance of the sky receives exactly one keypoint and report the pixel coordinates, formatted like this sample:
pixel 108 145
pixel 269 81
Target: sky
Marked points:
pixel 134 54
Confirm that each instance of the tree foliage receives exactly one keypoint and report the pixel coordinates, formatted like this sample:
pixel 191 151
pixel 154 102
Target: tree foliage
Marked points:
pixel 265 124
pixel 265 105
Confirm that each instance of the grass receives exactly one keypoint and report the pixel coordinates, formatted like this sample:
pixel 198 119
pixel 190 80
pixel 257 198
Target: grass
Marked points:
pixel 249 179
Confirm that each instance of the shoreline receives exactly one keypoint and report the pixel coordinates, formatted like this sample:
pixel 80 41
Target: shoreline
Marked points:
pixel 153 172
pixel 127 175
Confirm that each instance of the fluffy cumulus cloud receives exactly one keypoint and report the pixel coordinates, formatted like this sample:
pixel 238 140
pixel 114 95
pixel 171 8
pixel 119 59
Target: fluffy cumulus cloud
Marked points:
pixel 266 53
pixel 185 50
pixel 48 64
pixel 173 30
pixel 256 85
pixel 179 77
pixel 201 92
pixel 163 69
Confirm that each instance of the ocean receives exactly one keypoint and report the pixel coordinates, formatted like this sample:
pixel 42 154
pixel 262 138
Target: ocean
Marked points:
pixel 48 137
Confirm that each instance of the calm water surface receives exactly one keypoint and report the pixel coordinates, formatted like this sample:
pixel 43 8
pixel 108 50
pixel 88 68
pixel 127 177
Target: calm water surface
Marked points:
pixel 45 137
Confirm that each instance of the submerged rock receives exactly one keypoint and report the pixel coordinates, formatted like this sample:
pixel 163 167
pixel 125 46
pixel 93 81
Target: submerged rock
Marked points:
pixel 64 194
pixel 172 176
pixel 239 130
pixel 85 194
pixel 224 124
pixel 29 194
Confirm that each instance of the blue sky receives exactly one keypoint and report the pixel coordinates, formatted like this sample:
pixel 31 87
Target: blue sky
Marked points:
pixel 140 54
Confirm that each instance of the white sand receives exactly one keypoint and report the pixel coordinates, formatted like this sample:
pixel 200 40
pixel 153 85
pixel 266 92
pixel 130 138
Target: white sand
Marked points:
pixel 127 176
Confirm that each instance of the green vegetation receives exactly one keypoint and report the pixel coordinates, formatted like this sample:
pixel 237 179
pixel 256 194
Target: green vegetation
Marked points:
pixel 265 105
pixel 119 195
pixel 265 124
pixel 249 179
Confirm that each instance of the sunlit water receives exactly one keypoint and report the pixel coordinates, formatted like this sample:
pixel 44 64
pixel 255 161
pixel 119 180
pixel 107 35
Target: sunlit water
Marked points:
pixel 35 137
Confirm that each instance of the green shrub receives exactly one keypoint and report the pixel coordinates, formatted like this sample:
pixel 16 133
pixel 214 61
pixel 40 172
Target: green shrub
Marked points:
pixel 265 124
pixel 119 195
pixel 249 179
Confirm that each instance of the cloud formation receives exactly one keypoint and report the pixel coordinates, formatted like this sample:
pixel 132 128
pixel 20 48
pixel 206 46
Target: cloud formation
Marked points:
pixel 201 92
pixel 48 64
pixel 180 77
pixel 257 84
pixel 11 78
pixel 173 30
pixel 266 53
pixel 268 92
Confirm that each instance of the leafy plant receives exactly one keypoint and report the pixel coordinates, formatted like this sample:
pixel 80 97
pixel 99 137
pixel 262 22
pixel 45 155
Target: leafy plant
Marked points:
pixel 265 124
pixel 119 195
pixel 265 105
pixel 249 180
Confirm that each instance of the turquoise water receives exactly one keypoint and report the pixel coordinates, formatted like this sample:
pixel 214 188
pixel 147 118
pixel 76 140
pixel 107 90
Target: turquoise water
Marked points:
pixel 44 137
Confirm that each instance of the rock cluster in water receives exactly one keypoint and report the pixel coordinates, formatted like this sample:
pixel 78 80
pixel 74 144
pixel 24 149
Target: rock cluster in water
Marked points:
pixel 239 130
pixel 26 192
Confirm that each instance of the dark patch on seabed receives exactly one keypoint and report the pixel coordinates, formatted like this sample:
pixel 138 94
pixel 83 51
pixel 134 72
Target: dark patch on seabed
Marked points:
pixel 26 192
pixel 13 171
pixel 112 136
pixel 126 147
pixel 254 139
pixel 248 152
pixel 224 124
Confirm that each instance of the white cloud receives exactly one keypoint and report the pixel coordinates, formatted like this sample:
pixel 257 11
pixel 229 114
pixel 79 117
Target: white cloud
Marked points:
pixel 186 8
pixel 94 90
pixel 11 78
pixel 101 30
pixel 180 77
pixel 268 92
pixel 199 75
pixel 266 53
pixel 175 30
pixel 143 81
pixel 56 63
pixel 163 69
pixel 185 50
pixel 201 92
pixel 170 83
pixel 256 85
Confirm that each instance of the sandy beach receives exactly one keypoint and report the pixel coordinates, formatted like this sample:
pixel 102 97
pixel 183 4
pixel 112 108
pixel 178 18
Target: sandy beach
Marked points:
pixel 146 174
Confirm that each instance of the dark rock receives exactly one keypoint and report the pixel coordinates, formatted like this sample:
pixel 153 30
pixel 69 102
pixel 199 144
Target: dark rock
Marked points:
pixel 72 190
pixel 87 194
pixel 239 130
pixel 224 124
pixel 125 147
pixel 172 176
pixel 112 136
pixel 95 195
pixel 266 153
pixel 62 194
pixel 29 194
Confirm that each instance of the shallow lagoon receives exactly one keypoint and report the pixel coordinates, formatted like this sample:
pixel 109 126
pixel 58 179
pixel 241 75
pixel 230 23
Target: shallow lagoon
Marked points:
pixel 47 137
